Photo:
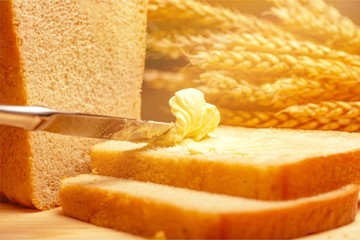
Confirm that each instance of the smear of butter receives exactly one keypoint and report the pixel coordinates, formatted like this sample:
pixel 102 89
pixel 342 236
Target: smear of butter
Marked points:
pixel 195 118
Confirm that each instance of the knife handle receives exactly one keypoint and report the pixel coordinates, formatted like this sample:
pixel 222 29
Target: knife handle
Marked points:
pixel 26 117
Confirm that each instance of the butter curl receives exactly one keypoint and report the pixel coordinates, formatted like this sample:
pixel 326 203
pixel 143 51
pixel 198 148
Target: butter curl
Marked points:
pixel 195 118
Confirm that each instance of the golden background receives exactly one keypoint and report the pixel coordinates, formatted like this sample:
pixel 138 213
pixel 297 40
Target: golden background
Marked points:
pixel 155 102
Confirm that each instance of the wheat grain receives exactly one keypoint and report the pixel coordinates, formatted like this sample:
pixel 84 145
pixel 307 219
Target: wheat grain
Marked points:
pixel 164 44
pixel 276 65
pixel 193 14
pixel 298 90
pixel 170 81
pixel 342 116
pixel 319 21
pixel 225 91
pixel 173 44
pixel 249 118
pixel 331 115
pixel 328 109
pixel 257 42
pixel 162 40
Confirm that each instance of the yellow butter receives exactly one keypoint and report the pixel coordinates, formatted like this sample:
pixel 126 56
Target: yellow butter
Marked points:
pixel 195 118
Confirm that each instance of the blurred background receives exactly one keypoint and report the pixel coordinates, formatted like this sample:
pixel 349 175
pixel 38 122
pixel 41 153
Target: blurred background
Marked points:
pixel 155 102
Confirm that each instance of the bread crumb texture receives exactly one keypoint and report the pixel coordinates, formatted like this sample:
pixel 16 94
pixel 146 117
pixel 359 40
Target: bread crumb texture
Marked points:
pixel 85 56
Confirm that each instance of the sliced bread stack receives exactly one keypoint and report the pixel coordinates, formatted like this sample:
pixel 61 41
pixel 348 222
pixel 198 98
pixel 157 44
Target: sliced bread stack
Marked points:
pixel 295 183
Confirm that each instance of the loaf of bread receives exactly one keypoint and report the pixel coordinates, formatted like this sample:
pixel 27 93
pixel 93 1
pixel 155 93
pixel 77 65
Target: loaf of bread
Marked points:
pixel 146 209
pixel 270 164
pixel 83 56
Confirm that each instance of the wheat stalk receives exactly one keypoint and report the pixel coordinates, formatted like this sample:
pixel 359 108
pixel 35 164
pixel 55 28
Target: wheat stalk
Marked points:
pixel 342 116
pixel 192 14
pixel 173 44
pixel 164 44
pixel 331 115
pixel 319 21
pixel 257 42
pixel 170 81
pixel 225 91
pixel 328 109
pixel 298 90
pixel 248 118
pixel 276 65
pixel 163 40
pixel 323 10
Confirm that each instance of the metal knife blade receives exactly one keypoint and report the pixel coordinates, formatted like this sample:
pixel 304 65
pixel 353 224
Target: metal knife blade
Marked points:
pixel 81 124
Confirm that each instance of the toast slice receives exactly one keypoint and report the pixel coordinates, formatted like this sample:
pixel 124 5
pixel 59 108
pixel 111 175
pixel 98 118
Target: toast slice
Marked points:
pixel 269 164
pixel 146 209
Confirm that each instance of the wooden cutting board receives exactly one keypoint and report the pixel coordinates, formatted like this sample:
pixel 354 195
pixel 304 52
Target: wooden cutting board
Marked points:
pixel 22 223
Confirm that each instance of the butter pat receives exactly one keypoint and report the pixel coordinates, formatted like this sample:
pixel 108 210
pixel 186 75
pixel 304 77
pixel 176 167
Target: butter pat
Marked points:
pixel 195 118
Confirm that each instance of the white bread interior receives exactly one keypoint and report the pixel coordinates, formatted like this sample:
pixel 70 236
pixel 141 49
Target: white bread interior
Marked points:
pixel 83 56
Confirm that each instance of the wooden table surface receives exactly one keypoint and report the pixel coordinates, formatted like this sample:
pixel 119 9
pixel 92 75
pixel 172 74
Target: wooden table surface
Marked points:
pixel 22 223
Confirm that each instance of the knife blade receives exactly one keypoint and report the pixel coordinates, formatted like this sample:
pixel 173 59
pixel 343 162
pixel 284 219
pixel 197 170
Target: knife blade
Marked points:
pixel 34 118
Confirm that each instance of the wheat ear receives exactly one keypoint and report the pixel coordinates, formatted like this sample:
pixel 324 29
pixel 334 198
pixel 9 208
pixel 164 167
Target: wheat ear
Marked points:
pixel 257 42
pixel 170 81
pixel 330 115
pixel 195 14
pixel 224 90
pixel 173 44
pixel 164 44
pixel 320 22
pixel 276 65
pixel 342 116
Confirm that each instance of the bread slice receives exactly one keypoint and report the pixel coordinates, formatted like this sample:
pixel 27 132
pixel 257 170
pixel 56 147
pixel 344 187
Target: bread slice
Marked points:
pixel 81 56
pixel 271 164
pixel 145 209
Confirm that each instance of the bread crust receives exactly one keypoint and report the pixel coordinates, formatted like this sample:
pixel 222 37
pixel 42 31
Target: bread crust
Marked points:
pixel 14 145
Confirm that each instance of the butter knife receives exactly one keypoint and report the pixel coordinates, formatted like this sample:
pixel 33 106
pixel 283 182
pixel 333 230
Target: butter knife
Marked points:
pixel 34 118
